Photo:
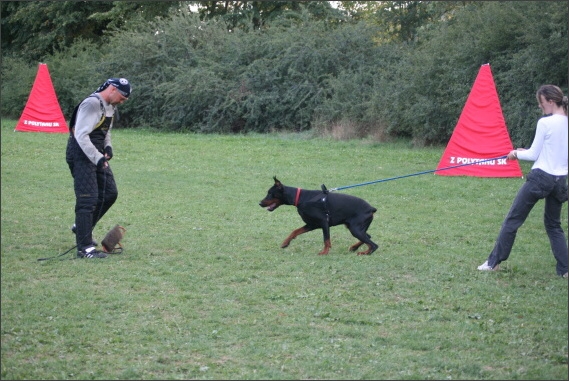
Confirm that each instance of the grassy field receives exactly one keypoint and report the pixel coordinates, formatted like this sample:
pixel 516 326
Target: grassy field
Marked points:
pixel 204 291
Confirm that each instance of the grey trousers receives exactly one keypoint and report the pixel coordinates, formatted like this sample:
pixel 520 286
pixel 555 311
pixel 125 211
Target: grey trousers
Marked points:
pixel 539 185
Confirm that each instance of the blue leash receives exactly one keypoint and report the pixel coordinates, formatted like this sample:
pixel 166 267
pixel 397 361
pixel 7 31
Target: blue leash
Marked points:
pixel 412 174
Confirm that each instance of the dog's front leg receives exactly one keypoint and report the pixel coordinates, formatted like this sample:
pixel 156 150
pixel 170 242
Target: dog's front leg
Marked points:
pixel 327 246
pixel 327 243
pixel 293 235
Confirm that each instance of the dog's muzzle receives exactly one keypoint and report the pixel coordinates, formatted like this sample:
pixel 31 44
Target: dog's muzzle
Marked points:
pixel 267 206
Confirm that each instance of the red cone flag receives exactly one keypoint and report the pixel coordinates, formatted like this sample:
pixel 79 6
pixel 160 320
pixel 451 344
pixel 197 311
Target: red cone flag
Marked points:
pixel 480 134
pixel 42 112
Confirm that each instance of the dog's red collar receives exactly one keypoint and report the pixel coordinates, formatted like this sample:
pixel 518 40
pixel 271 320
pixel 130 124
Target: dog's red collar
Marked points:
pixel 297 196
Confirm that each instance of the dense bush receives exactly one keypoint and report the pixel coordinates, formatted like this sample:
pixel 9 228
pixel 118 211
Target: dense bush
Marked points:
pixel 299 73
pixel 17 79
pixel 525 44
pixel 205 78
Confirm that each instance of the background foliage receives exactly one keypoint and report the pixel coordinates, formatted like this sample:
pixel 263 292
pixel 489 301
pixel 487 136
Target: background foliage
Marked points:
pixel 383 69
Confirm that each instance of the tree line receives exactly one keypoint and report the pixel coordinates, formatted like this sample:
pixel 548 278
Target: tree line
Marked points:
pixel 393 69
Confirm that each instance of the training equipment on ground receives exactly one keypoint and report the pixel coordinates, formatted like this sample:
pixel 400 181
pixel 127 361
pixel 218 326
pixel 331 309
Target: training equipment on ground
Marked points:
pixel 112 241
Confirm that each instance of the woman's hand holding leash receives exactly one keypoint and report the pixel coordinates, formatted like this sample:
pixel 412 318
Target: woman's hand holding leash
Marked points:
pixel 513 155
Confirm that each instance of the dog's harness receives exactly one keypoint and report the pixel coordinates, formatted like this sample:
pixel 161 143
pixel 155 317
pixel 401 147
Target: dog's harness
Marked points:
pixel 323 199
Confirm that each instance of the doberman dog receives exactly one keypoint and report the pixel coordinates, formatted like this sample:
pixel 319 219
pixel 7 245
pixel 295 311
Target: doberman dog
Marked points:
pixel 321 210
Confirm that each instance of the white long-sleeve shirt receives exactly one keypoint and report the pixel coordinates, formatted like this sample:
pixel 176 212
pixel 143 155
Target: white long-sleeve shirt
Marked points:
pixel 88 116
pixel 549 148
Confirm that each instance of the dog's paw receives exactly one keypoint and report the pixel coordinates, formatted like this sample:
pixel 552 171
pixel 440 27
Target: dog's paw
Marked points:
pixel 368 252
pixel 355 246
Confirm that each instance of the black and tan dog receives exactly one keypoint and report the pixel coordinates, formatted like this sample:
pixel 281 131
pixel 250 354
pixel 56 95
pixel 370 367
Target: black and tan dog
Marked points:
pixel 321 210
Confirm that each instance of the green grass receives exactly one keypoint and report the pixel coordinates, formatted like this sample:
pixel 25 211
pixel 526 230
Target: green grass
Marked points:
pixel 204 291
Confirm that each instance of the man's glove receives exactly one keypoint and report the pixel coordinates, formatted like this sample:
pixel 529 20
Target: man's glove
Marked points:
pixel 101 163
pixel 109 152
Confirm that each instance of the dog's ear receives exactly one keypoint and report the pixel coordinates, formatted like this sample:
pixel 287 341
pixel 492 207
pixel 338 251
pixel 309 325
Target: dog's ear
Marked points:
pixel 277 182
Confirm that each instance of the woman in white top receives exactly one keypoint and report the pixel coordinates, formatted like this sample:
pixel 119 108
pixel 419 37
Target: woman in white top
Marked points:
pixel 546 180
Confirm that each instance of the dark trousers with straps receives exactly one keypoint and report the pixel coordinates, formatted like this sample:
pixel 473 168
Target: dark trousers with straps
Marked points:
pixel 95 192
pixel 539 185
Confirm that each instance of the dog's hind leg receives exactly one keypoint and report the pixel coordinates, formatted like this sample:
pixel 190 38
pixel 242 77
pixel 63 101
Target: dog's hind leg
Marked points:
pixel 360 232
pixel 372 246
pixel 295 233
pixel 356 246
